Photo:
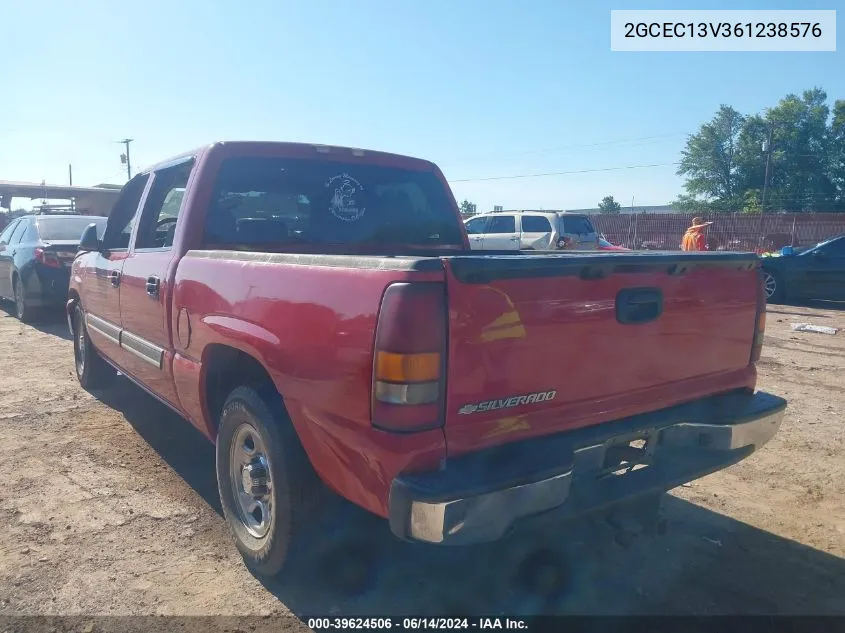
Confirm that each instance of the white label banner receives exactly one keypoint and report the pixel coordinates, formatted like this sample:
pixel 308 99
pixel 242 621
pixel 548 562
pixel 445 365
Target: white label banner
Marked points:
pixel 728 30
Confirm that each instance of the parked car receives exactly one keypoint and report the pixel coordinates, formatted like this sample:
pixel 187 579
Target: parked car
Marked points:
pixel 604 245
pixel 372 353
pixel 531 230
pixel 810 273
pixel 35 256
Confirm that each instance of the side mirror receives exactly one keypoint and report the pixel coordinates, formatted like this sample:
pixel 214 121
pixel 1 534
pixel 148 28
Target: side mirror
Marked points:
pixel 89 242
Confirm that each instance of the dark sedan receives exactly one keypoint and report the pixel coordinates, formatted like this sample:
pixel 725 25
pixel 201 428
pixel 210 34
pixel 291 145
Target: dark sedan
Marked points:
pixel 812 273
pixel 36 252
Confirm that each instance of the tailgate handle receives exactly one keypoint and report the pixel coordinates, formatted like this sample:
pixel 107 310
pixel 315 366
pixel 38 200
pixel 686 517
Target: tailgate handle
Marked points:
pixel 638 305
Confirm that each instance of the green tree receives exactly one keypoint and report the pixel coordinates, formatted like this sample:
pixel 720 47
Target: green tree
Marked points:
pixel 799 178
pixel 726 159
pixel 467 208
pixel 836 162
pixel 752 202
pixel 709 161
pixel 609 205
pixel 690 204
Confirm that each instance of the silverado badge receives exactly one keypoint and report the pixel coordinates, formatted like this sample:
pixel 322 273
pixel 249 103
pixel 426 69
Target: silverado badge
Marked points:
pixel 508 403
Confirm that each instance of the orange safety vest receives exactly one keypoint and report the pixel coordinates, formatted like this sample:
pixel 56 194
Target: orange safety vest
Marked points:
pixel 694 240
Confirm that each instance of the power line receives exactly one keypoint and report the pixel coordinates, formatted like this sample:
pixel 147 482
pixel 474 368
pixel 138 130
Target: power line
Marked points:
pixel 550 150
pixel 563 173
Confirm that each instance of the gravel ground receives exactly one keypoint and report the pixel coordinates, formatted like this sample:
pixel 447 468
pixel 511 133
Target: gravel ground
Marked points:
pixel 108 506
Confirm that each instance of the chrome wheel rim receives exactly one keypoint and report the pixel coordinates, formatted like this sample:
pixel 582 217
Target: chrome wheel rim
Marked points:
pixel 251 483
pixel 18 299
pixel 770 284
pixel 79 346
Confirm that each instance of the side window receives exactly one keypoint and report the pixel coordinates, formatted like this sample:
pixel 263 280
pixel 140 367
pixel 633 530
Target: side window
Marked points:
pixel 122 216
pixel 31 234
pixel 161 210
pixel 535 224
pixel 502 224
pixel 476 226
pixel 6 235
pixel 577 226
pixel 17 234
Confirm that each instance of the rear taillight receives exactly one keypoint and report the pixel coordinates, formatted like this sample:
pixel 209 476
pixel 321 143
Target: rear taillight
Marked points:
pixel 759 320
pixel 409 360
pixel 47 258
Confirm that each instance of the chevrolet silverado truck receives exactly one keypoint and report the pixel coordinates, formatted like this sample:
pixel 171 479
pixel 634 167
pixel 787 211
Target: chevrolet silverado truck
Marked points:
pixel 318 314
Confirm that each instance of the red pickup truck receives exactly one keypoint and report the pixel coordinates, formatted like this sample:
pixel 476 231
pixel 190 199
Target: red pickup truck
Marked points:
pixel 318 314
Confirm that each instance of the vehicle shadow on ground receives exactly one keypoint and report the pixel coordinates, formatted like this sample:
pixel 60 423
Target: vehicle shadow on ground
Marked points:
pixel 178 443
pixel 794 308
pixel 706 564
pixel 54 324
pixel 51 322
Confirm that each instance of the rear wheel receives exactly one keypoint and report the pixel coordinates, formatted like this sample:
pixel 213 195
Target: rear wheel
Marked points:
pixel 773 285
pixel 24 312
pixel 91 370
pixel 269 492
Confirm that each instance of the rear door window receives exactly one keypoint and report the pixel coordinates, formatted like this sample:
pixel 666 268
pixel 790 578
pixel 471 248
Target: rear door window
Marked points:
pixel 17 234
pixel 535 224
pixel 577 226
pixel 476 226
pixel 501 224
pixel 6 235
pixel 286 201
pixel 157 224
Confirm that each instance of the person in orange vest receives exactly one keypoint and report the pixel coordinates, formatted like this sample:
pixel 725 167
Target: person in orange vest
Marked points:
pixel 694 238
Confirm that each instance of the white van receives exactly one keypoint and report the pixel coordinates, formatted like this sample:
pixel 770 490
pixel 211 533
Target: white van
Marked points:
pixel 531 230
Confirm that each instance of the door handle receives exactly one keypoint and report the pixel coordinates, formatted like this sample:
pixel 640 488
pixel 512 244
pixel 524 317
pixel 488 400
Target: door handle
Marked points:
pixel 153 285
pixel 114 278
pixel 638 305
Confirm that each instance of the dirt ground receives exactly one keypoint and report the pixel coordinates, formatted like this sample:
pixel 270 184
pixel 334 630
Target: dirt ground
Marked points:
pixel 109 506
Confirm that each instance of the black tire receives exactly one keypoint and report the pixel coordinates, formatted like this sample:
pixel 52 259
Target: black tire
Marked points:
pixel 775 290
pixel 293 489
pixel 91 370
pixel 25 313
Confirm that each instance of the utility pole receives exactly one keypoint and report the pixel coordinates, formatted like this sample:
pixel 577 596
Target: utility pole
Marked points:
pixel 124 158
pixel 70 182
pixel 768 149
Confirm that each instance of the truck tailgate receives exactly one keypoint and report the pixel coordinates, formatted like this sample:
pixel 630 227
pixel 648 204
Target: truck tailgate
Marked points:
pixel 540 344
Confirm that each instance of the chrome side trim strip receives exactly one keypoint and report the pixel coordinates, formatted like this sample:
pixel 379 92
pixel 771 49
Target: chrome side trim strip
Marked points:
pixel 142 348
pixel 103 328
pixel 132 343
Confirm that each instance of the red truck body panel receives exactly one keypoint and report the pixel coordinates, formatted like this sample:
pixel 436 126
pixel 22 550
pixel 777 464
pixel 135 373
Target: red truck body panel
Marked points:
pixel 520 336
pixel 312 328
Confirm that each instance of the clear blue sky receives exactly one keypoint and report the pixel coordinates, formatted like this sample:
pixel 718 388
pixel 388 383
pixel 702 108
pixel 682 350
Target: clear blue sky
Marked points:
pixel 482 87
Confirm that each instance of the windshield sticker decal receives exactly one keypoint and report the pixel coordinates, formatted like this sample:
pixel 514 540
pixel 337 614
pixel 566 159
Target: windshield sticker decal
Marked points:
pixel 343 205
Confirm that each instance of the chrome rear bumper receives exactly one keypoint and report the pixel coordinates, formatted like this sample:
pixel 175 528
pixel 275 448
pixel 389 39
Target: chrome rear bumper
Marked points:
pixel 470 502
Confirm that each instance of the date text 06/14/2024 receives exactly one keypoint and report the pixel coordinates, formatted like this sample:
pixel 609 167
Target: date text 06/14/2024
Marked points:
pixel 417 624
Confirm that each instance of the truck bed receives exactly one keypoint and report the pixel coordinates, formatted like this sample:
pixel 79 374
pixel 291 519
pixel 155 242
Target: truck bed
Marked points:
pixel 519 325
